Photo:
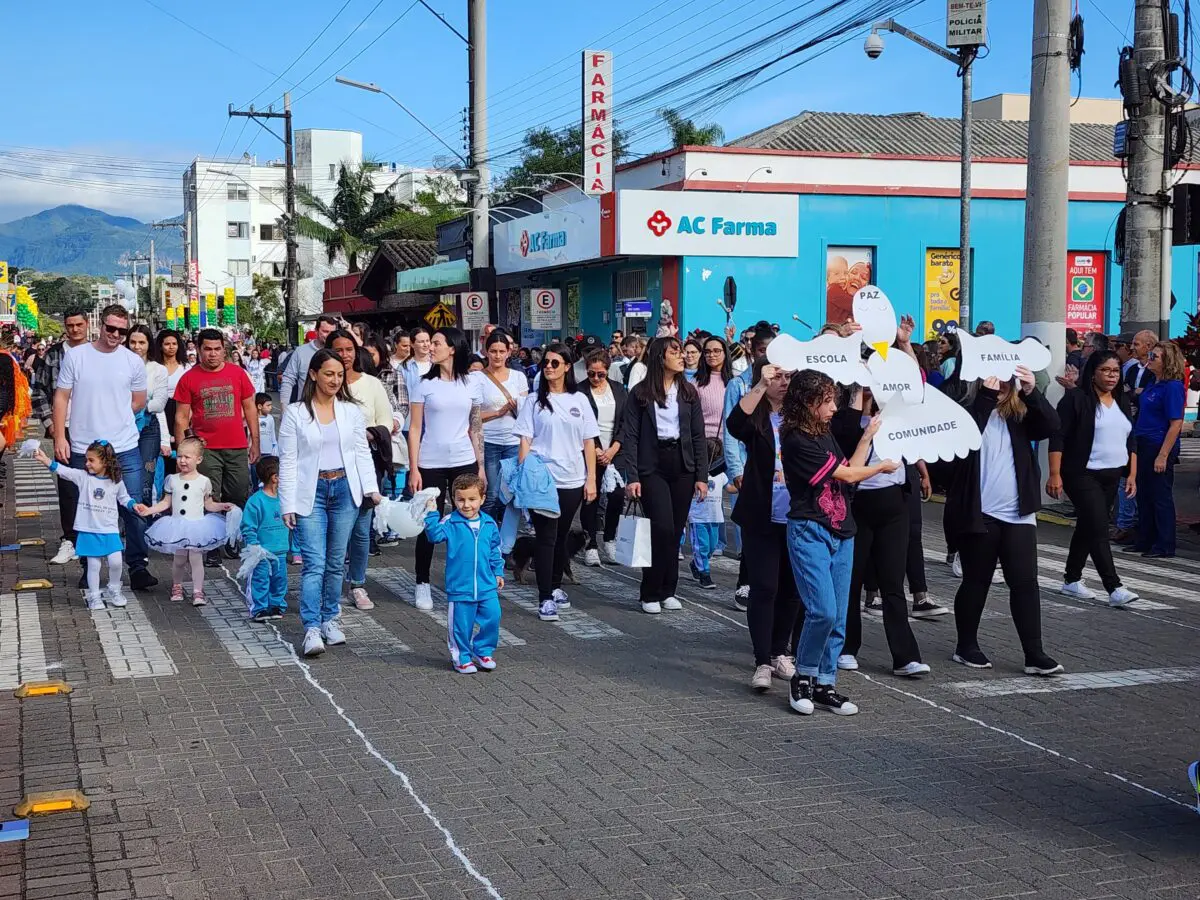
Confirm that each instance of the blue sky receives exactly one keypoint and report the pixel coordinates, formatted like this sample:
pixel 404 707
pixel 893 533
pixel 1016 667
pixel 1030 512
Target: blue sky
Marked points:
pixel 113 99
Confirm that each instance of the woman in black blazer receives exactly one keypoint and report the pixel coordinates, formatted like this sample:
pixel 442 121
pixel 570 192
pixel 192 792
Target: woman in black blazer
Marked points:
pixel 1091 452
pixel 609 412
pixel 664 460
pixel 774 614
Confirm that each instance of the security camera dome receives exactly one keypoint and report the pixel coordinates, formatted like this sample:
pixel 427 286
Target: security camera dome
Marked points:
pixel 873 45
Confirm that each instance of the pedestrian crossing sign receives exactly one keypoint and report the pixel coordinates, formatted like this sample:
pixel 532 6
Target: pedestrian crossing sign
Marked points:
pixel 1083 288
pixel 440 316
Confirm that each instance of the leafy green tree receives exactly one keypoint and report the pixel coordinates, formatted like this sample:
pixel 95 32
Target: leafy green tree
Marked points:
pixel 56 293
pixel 686 133
pixel 545 152
pixel 263 313
pixel 49 327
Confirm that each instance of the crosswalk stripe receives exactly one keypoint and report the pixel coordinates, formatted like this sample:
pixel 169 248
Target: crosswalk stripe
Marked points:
pixel 605 583
pixel 22 652
pixel 402 584
pixel 1083 681
pixel 251 646
pixel 130 643
pixel 366 637
pixel 573 621
pixel 1140 584
pixel 1162 568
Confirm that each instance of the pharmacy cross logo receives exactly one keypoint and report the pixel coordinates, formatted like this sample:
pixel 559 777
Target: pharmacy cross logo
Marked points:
pixel 524 243
pixel 659 223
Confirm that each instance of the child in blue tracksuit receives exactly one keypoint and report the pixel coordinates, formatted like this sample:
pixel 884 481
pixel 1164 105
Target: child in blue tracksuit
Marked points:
pixel 262 524
pixel 474 576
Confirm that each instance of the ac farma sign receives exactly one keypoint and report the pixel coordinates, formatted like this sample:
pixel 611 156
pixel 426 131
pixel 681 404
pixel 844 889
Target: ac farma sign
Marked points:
pixel 706 223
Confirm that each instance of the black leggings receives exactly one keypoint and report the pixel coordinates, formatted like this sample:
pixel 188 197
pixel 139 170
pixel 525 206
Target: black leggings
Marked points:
pixel 1015 546
pixel 915 566
pixel 774 613
pixel 550 551
pixel 1093 493
pixel 440 479
pixel 666 496
pixel 882 518
pixel 590 514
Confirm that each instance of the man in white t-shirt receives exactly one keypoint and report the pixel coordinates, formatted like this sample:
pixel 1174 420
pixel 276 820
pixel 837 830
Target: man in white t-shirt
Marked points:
pixel 104 383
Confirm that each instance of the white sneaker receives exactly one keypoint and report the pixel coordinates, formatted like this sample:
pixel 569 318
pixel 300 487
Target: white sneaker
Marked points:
pixel 115 598
pixel 360 598
pixel 561 600
pixel 672 603
pixel 997 575
pixel 847 662
pixel 1122 596
pixel 1077 590
pixel 424 598
pixel 652 607
pixel 783 667
pixel 956 566
pixel 333 634
pixel 912 670
pixel 95 601
pixel 313 645
pixel 65 554
pixel 591 557
pixel 761 679
pixel 610 551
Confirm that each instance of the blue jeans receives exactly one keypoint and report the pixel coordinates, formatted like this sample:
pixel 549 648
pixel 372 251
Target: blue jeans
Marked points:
pixel 360 543
pixel 133 477
pixel 1155 500
pixel 493 455
pixel 323 536
pixel 1127 509
pixel 822 564
pixel 706 540
pixel 148 451
pixel 268 586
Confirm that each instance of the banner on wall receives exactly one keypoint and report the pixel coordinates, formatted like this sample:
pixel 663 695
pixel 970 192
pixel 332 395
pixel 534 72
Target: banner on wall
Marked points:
pixel 847 269
pixel 1086 272
pixel 941 290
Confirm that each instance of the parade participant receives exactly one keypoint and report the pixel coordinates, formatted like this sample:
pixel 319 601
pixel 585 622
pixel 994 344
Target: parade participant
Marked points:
pixel 664 461
pixel 267 441
pixel 101 493
pixel 502 391
pixel 992 505
pixel 820 533
pixel 262 526
pixel 773 613
pixel 152 421
pixel 474 576
pixel 103 384
pixel 445 438
pixel 166 352
pixel 607 398
pixel 15 405
pixel 1160 410
pixel 193 526
pixel 291 382
pixel 326 471
pixel 557 425
pixel 1090 452
pixel 692 351
pixel 1135 378
pixel 419 363
pixel 396 387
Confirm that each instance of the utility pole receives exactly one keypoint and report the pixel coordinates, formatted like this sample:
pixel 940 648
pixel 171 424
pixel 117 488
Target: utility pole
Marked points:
pixel 1044 282
pixel 1144 281
pixel 483 276
pixel 291 274
pixel 186 228
pixel 153 304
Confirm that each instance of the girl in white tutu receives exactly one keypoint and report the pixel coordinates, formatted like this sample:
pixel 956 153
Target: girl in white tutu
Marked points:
pixel 193 525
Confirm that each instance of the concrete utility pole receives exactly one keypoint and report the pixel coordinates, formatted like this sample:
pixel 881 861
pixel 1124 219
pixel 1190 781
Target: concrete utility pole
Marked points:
pixel 1142 286
pixel 1044 283
pixel 483 276
pixel 150 289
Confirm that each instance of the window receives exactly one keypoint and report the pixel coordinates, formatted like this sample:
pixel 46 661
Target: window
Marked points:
pixel 270 233
pixel 631 285
pixel 278 269
pixel 239 267
pixel 235 191
pixel 237 229
pixel 333 171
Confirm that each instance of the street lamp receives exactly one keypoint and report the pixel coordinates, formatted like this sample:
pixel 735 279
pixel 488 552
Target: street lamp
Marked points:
pixel 766 169
pixel 376 89
pixel 963 60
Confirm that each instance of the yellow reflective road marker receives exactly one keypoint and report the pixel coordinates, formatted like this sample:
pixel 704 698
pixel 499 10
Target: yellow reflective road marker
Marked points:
pixel 41 689
pixel 32 542
pixel 32 584
pixel 27 513
pixel 52 801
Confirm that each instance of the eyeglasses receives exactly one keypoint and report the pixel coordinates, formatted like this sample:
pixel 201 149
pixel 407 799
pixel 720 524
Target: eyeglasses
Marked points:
pixel 597 375
pixel 713 351
pixel 116 329
pixel 553 363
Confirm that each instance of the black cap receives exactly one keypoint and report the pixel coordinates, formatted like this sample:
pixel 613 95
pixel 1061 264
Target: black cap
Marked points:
pixel 1125 337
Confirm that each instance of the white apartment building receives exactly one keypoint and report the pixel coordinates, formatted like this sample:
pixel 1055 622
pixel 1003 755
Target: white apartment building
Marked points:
pixel 234 206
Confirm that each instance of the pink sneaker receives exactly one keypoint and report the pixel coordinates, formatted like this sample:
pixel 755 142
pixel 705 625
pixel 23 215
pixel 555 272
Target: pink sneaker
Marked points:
pixel 360 598
pixel 176 593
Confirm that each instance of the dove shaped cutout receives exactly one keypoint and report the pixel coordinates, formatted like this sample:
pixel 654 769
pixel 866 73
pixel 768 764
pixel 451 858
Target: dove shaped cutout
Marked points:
pixel 936 429
pixel 991 355
pixel 874 313
pixel 838 357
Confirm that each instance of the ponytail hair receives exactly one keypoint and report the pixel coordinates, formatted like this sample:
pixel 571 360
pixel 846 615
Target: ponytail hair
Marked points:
pixel 194 444
pixel 109 467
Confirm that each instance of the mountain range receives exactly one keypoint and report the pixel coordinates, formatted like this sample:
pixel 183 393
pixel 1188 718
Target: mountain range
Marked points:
pixel 78 240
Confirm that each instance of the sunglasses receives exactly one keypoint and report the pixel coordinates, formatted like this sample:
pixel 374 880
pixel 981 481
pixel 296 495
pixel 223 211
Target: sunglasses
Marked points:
pixel 116 329
pixel 553 363
pixel 597 375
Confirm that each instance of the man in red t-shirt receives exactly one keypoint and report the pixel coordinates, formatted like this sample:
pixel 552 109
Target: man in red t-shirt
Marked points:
pixel 215 401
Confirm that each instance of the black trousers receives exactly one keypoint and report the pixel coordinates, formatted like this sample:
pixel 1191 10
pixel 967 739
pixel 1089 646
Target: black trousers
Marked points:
pixel 882 519
pixel 589 516
pixel 1093 492
pixel 915 565
pixel 666 496
pixel 774 613
pixel 1015 547
pixel 440 479
pixel 550 550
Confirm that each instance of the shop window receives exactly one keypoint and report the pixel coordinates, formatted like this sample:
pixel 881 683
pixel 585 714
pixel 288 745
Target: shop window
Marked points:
pixel 846 270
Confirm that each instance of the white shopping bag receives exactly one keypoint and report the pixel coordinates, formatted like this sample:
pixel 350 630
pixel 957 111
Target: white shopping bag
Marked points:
pixel 633 539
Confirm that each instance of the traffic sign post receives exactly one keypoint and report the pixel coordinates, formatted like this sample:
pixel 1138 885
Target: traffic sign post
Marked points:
pixel 474 306
pixel 545 309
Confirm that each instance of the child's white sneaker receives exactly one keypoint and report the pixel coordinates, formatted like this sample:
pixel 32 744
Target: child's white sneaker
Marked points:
pixel 333 634
pixel 313 645
pixel 467 668
pixel 484 662
pixel 115 598
pixel 95 601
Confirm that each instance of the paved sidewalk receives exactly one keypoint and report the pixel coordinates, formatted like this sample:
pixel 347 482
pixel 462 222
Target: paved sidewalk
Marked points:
pixel 612 755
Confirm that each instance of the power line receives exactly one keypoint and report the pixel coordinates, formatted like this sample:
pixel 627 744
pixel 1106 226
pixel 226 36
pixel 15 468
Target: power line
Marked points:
pixel 292 64
pixel 339 46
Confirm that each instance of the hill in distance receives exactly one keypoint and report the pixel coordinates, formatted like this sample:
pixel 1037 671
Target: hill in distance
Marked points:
pixel 77 240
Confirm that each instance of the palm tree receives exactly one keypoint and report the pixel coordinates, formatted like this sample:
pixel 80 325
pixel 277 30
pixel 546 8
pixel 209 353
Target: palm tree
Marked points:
pixel 686 133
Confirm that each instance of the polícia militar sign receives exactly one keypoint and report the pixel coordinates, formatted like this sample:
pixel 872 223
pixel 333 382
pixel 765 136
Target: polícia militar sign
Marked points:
pixel 704 223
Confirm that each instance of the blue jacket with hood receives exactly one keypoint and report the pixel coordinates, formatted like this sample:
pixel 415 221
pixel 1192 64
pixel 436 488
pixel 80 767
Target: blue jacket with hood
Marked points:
pixel 473 561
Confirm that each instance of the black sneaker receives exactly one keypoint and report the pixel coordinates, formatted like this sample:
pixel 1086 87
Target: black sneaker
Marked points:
pixel 972 659
pixel 373 550
pixel 275 614
pixel 800 694
pixel 263 616
pixel 1043 665
pixel 142 580
pixel 825 697
pixel 873 606
pixel 696 573
pixel 741 598
pixel 706 581
pixel 927 609
pixel 212 559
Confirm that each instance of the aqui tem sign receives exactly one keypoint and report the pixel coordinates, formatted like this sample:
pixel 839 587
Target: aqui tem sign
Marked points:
pixel 966 23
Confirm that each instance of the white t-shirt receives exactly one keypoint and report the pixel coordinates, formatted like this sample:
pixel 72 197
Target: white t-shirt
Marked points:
pixel 267 440
pixel 500 429
pixel 99 498
pixel 883 479
pixel 331 449
pixel 711 509
pixel 1109 447
pixel 557 435
pixel 101 386
pixel 667 417
pixel 998 496
pixel 606 415
pixel 445 435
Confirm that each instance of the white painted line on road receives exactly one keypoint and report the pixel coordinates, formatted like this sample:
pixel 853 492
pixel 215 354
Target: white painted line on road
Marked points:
pixel 1126 562
pixel 573 621
pixel 400 582
pixel 22 651
pixel 249 644
pixel 1084 681
pixel 604 582
pixel 130 643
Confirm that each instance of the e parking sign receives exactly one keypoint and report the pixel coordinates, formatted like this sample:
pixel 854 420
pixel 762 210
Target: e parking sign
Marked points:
pixel 474 309
pixel 545 309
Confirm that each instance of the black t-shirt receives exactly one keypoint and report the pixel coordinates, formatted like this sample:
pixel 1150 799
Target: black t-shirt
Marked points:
pixel 808 466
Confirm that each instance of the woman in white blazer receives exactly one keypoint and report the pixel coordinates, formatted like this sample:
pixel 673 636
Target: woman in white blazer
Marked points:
pixel 325 471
